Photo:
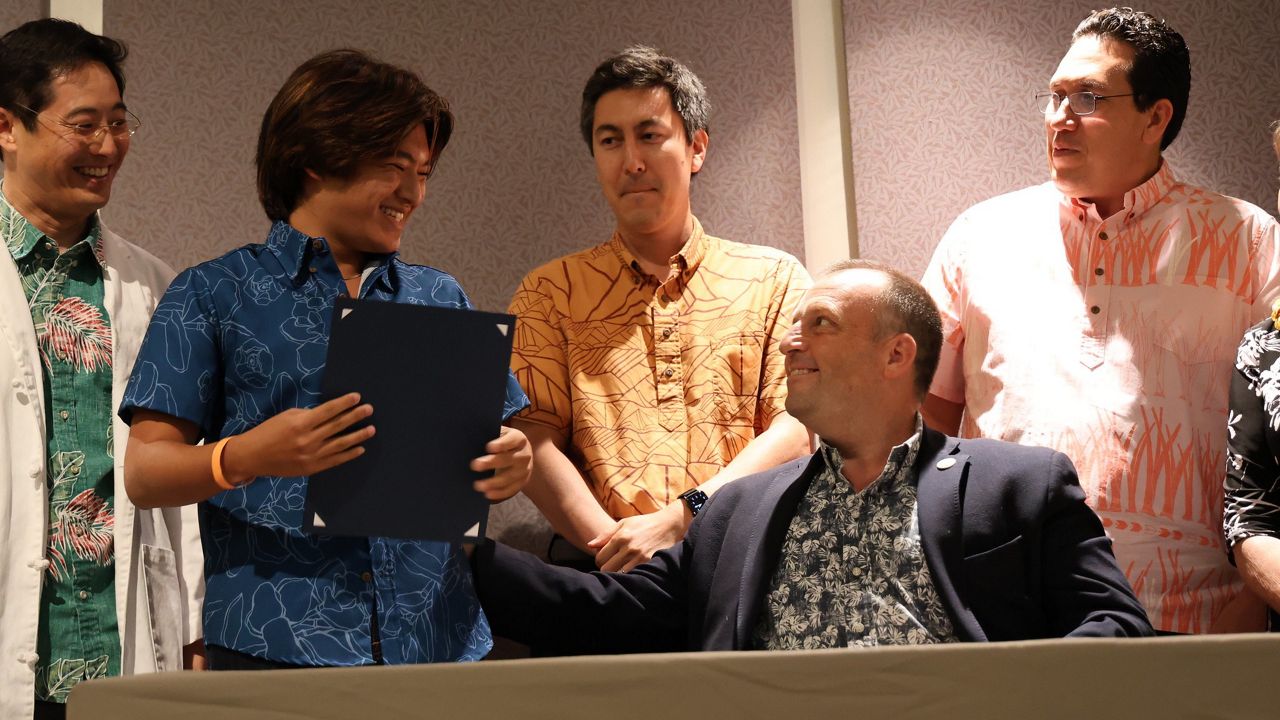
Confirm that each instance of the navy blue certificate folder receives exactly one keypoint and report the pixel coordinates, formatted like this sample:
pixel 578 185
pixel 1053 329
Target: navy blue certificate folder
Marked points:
pixel 437 379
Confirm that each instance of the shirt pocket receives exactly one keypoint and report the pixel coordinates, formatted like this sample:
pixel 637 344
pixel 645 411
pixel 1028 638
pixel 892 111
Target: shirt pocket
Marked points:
pixel 730 376
pixel 164 606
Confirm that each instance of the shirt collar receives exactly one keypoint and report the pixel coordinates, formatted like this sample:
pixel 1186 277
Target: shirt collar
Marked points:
pixel 21 237
pixel 901 458
pixel 298 252
pixel 1137 201
pixel 689 257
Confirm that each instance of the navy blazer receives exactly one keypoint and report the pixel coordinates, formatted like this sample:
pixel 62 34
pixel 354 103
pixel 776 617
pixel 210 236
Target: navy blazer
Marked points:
pixel 1013 550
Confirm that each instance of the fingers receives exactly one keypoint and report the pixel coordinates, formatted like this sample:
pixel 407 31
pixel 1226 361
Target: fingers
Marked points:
pixel 622 558
pixel 334 424
pixel 508 440
pixel 336 459
pixel 326 411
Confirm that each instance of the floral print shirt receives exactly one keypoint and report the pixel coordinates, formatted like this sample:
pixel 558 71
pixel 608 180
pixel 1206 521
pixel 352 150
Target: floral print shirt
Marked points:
pixel 237 340
pixel 852 571
pixel 78 637
pixel 1251 491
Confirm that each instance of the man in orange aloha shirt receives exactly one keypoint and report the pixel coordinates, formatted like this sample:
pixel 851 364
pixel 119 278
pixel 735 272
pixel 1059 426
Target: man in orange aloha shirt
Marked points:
pixel 651 361
pixel 1099 313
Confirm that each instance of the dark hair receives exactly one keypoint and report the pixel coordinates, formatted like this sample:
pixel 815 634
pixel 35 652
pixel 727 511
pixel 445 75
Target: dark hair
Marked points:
pixel 904 307
pixel 1161 66
pixel 640 66
pixel 337 110
pixel 33 54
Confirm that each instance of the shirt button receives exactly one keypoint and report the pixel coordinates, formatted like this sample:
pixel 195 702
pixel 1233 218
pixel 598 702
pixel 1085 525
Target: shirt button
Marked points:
pixel 668 372
pixel 313 269
pixel 1097 271
pixel 666 333
pixel 64 414
pixel 84 594
pixel 75 470
pixel 1102 235
pixel 22 398
pixel 317 245
pixel 1095 309
pixel 366 576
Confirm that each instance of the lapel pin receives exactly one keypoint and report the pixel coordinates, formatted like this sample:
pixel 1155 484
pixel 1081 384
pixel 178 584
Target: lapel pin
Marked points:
pixel 945 463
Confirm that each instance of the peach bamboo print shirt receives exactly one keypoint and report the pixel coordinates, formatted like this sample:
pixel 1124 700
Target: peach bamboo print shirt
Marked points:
pixel 655 386
pixel 1113 341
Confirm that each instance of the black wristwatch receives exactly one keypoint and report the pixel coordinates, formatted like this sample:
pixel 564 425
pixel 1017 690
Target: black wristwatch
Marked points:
pixel 695 499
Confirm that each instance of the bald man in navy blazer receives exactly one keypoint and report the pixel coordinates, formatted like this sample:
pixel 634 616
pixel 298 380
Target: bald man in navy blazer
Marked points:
pixel 890 534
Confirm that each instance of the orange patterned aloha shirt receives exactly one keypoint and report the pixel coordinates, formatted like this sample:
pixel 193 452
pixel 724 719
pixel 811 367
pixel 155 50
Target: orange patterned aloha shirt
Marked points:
pixel 656 386
pixel 1113 341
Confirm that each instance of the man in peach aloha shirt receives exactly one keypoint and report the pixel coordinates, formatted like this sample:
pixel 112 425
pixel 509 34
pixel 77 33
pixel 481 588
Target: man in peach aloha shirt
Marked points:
pixel 1098 314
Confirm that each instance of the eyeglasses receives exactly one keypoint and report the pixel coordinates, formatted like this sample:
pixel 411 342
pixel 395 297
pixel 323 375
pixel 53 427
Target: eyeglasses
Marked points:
pixel 93 133
pixel 1082 103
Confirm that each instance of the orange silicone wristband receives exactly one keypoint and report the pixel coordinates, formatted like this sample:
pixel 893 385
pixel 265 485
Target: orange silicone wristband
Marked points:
pixel 218 477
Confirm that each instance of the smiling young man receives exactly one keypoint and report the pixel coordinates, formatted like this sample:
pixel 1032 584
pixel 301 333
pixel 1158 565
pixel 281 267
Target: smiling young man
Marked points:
pixel 1099 313
pixel 234 357
pixel 90 586
pixel 650 359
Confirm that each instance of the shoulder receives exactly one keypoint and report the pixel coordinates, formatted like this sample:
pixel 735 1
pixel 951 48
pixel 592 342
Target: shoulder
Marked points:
pixel 1022 464
pixel 1188 195
pixel 429 285
pixel 133 261
pixel 1035 197
pixel 566 266
pixel 748 253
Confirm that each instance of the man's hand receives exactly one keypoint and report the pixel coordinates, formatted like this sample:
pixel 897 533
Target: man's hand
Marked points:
pixel 511 459
pixel 635 539
pixel 299 442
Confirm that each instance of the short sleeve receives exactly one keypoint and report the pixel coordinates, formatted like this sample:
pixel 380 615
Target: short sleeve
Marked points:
pixel 178 370
pixel 1251 491
pixel 792 283
pixel 944 281
pixel 539 355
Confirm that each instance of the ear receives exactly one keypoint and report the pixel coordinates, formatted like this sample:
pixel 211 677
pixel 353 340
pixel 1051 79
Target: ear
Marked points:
pixel 699 144
pixel 8 123
pixel 1161 116
pixel 900 357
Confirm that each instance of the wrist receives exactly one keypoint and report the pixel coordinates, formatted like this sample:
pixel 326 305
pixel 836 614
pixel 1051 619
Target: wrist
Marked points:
pixel 231 462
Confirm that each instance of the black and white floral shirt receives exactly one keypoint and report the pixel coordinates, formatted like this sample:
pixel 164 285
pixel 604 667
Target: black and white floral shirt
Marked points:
pixel 852 571
pixel 1251 497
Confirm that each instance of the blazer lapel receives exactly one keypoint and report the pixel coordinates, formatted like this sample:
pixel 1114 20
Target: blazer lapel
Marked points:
pixel 943 470
pixel 771 520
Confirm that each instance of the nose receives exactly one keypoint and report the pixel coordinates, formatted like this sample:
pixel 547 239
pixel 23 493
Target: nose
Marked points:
pixel 413 187
pixel 1063 116
pixel 632 163
pixel 104 143
pixel 792 341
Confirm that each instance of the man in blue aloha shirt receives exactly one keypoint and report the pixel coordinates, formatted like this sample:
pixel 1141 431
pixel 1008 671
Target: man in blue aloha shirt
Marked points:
pixel 234 357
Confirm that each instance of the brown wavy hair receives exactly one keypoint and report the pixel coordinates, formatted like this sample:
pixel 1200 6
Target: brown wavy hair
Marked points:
pixel 337 110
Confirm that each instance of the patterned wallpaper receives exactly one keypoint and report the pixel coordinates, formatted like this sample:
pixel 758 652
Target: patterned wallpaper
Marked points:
pixel 15 12
pixel 516 186
pixel 941 115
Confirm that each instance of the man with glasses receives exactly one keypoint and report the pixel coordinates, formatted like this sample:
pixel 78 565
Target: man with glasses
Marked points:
pixel 90 586
pixel 1098 314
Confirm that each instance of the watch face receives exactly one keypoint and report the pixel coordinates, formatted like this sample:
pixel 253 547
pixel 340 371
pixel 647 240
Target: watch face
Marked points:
pixel 695 499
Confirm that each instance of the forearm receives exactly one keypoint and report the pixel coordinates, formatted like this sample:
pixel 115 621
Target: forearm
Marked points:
pixel 168 473
pixel 784 440
pixel 560 492
pixel 1258 558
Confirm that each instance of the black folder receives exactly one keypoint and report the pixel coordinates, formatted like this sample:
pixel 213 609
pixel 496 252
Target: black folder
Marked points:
pixel 437 380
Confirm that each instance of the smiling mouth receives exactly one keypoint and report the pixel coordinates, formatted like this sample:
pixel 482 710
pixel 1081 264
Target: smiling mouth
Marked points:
pixel 94 172
pixel 800 371
pixel 396 215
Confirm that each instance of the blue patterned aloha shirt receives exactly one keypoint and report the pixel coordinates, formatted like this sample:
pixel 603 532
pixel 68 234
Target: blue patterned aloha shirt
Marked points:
pixel 235 341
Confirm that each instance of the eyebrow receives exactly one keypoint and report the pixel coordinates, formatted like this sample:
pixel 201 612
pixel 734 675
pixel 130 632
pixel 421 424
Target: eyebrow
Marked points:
pixel 1085 83
pixel 642 125
pixel 90 109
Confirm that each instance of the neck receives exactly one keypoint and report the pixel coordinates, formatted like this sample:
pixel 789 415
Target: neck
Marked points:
pixel 865 457
pixel 1108 206
pixel 653 249
pixel 66 231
